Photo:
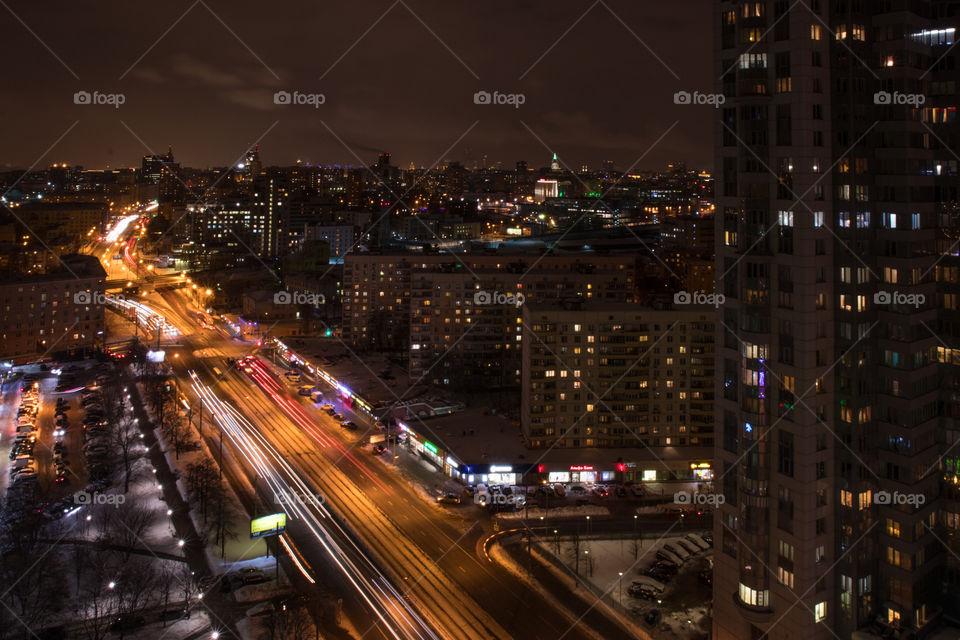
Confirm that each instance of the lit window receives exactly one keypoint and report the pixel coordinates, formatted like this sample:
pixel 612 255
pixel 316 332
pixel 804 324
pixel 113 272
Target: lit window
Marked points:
pixel 819 611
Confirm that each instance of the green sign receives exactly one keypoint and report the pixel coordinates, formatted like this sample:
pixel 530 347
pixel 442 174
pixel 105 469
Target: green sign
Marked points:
pixel 429 447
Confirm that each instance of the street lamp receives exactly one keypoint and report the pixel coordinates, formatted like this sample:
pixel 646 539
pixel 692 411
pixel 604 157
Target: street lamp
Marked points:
pixel 620 573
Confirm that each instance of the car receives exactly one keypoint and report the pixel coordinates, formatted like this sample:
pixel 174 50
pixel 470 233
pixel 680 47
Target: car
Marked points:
pixel 349 424
pixel 706 577
pixel 338 416
pixel 449 498
pixel 620 492
pixel 254 576
pixel 600 492
pixel 688 546
pixel 305 391
pixel 652 617
pixel 330 411
pixel 172 615
pixel 559 490
pixel 577 489
pixel 327 407
pixel 470 490
pixel 231 582
pixel 126 623
pixel 643 591
pixel 666 567
pixel 378 449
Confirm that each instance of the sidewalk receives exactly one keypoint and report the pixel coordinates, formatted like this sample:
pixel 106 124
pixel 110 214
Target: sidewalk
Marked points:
pixel 194 550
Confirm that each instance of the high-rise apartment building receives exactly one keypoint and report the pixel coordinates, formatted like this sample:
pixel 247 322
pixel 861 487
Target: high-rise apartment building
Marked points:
pixel 619 374
pixel 834 393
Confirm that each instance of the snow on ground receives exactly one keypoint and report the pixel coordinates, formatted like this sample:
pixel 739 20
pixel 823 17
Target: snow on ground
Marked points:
pixel 685 603
pixel 197 622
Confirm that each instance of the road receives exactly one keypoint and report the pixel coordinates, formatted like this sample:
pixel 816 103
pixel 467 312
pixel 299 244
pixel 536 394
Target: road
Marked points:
pixel 405 567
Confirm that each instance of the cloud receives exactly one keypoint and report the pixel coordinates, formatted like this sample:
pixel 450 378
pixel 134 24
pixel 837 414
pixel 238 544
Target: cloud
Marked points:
pixel 187 66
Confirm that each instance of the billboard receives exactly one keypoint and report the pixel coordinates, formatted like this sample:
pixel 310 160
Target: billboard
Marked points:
pixel 271 525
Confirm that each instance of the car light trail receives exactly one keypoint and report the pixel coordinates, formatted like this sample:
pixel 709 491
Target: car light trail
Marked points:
pixel 297 559
pixel 295 411
pixel 397 616
pixel 119 228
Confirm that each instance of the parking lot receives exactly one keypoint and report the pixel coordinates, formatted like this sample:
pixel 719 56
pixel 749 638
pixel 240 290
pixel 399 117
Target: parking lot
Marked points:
pixel 49 419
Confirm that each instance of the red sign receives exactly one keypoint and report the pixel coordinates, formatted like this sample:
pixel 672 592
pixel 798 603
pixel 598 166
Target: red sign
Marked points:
pixel 582 467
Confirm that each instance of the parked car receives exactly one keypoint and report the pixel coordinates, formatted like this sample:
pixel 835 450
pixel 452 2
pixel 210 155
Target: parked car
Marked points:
pixel 253 576
pixel 378 449
pixel 653 617
pixel 126 623
pixel 449 498
pixel 349 424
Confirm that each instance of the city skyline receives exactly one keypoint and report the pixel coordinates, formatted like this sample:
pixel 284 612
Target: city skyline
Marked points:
pixel 401 76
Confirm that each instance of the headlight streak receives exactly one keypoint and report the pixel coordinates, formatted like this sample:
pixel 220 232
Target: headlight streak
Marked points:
pixel 296 412
pixel 398 617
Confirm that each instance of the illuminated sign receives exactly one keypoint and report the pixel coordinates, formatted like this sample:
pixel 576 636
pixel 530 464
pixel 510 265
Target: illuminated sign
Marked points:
pixel 271 525
pixel 501 468
pixel 429 447
pixel 699 465
pixel 582 467
pixel 453 463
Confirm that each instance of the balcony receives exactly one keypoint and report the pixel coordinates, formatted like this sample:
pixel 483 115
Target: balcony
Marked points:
pixel 752 613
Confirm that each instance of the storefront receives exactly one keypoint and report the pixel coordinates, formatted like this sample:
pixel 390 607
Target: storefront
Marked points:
pixel 702 471
pixel 503 474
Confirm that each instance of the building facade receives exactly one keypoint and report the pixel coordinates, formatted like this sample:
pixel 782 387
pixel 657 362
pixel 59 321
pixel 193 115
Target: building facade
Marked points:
pixel 832 172
pixel 60 311
pixel 599 374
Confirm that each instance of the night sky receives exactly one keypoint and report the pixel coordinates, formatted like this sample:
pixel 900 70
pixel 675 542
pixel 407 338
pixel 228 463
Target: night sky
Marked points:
pixel 598 94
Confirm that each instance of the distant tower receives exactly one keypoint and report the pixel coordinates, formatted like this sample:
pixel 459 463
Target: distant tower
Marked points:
pixel 555 164
pixel 251 162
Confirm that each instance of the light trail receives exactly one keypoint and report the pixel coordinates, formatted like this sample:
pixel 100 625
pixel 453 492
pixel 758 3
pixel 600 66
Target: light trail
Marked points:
pixel 295 411
pixel 119 228
pixel 147 316
pixel 396 615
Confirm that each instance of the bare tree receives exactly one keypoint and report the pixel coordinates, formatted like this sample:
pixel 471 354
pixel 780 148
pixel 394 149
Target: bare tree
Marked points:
pixel 96 600
pixel 130 523
pixel 202 481
pixel 126 438
pixel 223 521
pixel 135 582
pixel 175 429
pixel 32 589
pixel 166 581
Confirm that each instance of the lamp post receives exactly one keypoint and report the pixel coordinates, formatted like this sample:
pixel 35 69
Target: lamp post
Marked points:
pixel 620 588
